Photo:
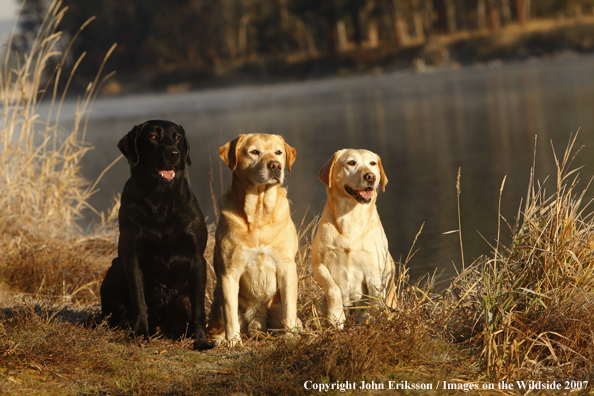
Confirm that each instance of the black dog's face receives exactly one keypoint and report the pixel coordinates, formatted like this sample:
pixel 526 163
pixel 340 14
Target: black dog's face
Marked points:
pixel 159 148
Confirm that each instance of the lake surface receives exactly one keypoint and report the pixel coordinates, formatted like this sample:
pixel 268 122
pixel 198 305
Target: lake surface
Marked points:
pixel 425 127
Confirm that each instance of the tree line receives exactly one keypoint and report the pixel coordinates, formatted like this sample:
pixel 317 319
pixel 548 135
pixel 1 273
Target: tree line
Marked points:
pixel 209 36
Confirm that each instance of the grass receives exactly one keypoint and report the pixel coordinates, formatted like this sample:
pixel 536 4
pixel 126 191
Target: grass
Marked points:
pixel 528 306
pixel 522 313
pixel 43 194
pixel 55 356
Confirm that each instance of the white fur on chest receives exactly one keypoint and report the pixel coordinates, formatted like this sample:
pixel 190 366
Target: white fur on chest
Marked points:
pixel 358 268
pixel 258 280
pixel 349 270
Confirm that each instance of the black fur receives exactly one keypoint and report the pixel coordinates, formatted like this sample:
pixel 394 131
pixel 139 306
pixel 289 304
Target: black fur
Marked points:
pixel 158 280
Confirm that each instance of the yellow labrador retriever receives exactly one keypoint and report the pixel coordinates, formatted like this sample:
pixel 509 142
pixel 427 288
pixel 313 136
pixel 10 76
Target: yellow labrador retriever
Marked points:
pixel 256 243
pixel 350 251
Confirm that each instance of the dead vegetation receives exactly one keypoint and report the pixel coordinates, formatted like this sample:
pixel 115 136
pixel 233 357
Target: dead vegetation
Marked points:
pixel 44 355
pixel 42 193
pixel 528 306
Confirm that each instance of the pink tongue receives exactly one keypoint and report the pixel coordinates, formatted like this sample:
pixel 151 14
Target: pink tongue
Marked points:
pixel 366 194
pixel 167 174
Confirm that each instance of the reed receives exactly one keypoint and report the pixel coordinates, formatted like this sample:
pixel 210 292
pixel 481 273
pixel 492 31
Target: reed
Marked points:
pixel 528 307
pixel 42 192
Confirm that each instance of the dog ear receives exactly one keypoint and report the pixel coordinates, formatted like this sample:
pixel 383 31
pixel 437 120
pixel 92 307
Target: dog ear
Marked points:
pixel 128 145
pixel 229 152
pixel 384 178
pixel 291 156
pixel 325 174
pixel 187 146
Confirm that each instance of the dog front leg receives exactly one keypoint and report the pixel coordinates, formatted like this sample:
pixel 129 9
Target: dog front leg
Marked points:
pixel 287 283
pixel 334 304
pixel 140 325
pixel 390 274
pixel 375 287
pixel 375 294
pixel 230 291
pixel 197 295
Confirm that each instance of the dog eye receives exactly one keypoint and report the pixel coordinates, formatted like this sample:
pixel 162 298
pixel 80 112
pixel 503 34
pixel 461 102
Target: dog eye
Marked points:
pixel 177 137
pixel 351 162
pixel 153 137
pixel 255 152
pixel 278 152
pixel 373 163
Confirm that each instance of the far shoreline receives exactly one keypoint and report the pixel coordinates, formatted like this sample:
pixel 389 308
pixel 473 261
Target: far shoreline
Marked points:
pixel 539 40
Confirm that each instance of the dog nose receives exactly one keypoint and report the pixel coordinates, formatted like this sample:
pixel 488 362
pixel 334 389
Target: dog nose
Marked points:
pixel 274 166
pixel 172 154
pixel 369 177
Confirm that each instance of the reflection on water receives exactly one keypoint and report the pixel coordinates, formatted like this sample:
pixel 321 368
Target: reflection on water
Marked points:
pixel 424 126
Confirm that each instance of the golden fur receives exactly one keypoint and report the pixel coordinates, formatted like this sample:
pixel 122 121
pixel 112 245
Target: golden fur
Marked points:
pixel 350 251
pixel 256 243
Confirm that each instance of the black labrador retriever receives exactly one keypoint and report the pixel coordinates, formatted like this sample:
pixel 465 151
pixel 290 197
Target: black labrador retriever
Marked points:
pixel 158 280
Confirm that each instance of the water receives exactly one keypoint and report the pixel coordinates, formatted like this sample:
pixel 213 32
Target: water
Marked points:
pixel 424 126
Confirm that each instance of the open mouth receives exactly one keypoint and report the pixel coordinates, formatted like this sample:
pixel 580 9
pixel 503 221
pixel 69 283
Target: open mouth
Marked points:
pixel 167 174
pixel 363 196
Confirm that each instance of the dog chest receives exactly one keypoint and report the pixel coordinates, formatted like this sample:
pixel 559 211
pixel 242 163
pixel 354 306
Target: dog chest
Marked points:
pixel 259 276
pixel 166 251
pixel 347 267
pixel 354 270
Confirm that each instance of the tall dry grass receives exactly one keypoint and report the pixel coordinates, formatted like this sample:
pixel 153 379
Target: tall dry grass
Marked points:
pixel 42 192
pixel 528 307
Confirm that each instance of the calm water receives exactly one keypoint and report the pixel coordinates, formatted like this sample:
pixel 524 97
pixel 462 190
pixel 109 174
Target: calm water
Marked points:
pixel 424 127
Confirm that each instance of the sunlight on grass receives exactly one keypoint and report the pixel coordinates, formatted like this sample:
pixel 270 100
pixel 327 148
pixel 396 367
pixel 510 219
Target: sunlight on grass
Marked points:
pixel 43 193
pixel 528 307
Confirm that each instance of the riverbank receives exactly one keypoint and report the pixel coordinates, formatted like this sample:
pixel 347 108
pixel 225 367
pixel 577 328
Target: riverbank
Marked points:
pixel 518 317
pixel 539 39
pixel 522 316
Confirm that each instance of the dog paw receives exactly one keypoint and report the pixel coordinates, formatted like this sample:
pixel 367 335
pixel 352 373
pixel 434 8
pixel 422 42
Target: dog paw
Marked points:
pixel 339 326
pixel 337 321
pixel 256 327
pixel 140 327
pixel 294 331
pixel 298 325
pixel 203 345
pixel 234 342
pixel 368 319
pixel 289 334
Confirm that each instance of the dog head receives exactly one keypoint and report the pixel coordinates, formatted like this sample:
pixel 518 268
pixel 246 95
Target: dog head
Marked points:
pixel 159 148
pixel 354 173
pixel 259 158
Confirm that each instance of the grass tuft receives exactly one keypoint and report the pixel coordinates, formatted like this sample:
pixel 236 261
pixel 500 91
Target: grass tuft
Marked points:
pixel 528 307
pixel 42 192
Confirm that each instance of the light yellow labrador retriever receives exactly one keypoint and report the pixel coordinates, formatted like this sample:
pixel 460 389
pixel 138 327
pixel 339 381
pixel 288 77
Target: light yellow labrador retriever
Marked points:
pixel 256 243
pixel 350 253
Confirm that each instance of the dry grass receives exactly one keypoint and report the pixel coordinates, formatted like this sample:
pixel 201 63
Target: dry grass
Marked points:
pixel 42 193
pixel 528 307
pixel 42 354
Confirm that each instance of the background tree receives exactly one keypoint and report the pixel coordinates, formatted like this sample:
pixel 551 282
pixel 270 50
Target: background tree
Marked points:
pixel 186 39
